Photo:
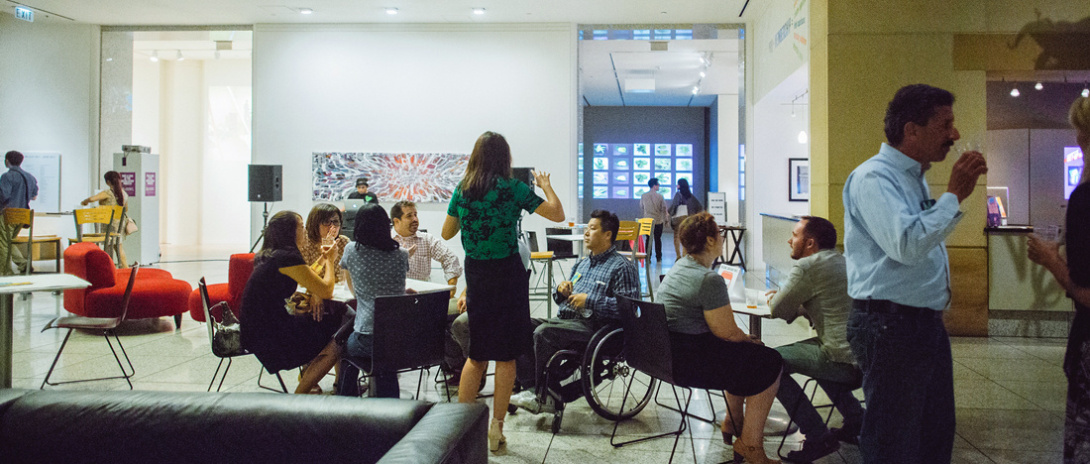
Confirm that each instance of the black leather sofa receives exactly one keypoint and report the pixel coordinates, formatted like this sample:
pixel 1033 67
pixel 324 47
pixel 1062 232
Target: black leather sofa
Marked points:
pixel 164 427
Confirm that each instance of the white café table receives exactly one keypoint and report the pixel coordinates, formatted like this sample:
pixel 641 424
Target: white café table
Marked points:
pixel 341 292
pixel 11 285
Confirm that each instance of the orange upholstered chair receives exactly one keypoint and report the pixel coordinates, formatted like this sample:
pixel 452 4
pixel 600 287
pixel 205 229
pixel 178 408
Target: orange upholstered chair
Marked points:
pixel 238 273
pixel 156 293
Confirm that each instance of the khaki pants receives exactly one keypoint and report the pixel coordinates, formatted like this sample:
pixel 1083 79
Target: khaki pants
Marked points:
pixel 7 234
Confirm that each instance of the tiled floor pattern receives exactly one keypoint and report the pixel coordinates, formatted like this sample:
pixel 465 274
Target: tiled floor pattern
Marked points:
pixel 1009 391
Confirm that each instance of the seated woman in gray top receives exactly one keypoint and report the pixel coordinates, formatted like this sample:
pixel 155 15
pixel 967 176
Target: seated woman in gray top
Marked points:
pixel 708 348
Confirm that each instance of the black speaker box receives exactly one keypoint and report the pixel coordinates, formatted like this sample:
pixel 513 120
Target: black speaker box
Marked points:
pixel 525 175
pixel 266 182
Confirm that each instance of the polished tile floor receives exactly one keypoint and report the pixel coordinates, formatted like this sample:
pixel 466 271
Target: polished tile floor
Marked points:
pixel 1009 391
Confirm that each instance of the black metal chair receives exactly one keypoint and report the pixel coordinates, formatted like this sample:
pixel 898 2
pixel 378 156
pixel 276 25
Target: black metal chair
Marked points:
pixel 106 326
pixel 215 313
pixel 856 384
pixel 646 321
pixel 407 336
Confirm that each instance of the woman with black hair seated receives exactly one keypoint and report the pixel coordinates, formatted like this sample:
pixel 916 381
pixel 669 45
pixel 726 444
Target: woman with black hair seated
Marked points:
pixel 708 348
pixel 283 340
pixel 376 267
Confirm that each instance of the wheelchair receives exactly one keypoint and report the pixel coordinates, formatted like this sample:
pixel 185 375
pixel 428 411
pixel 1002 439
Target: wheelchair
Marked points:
pixel 600 375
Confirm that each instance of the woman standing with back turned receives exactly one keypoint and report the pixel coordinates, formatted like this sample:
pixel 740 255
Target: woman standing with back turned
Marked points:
pixel 486 208
pixel 1073 274
pixel 683 197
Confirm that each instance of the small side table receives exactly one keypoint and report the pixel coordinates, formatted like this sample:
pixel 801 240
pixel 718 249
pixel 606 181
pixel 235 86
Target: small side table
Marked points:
pixel 11 285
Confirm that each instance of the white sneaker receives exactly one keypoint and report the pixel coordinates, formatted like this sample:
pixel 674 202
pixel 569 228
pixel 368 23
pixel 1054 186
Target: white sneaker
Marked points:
pixel 527 400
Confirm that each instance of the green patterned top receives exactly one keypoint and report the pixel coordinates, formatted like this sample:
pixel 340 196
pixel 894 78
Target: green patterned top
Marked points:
pixel 490 224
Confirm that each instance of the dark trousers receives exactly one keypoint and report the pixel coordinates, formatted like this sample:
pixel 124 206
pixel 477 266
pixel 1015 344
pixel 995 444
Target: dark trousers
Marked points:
pixel 908 383
pixel 807 358
pixel 551 336
pixel 658 242
pixel 384 382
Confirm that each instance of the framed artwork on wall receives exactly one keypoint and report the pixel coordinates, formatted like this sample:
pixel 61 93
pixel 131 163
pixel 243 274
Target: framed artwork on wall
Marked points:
pixel 798 179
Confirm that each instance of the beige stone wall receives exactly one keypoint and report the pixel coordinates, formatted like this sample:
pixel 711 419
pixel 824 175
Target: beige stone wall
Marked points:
pixel 861 52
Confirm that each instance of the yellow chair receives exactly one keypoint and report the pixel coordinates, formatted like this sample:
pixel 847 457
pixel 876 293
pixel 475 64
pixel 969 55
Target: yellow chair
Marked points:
pixel 633 232
pixel 105 215
pixel 23 218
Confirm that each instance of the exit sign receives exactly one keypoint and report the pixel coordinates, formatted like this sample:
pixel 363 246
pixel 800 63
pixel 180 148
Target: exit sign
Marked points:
pixel 25 14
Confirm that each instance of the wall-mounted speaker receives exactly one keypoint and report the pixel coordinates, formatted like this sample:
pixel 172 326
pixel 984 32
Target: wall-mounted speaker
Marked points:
pixel 266 182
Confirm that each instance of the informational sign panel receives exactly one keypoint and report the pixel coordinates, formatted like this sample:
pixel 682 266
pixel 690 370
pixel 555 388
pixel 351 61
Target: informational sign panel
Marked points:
pixel 46 169
pixel 149 184
pixel 128 183
pixel 717 206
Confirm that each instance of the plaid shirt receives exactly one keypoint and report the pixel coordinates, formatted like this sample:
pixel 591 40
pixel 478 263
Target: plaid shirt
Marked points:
pixel 428 248
pixel 602 277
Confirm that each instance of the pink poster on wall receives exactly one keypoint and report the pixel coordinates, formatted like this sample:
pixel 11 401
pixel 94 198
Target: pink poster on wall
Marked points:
pixel 149 184
pixel 128 183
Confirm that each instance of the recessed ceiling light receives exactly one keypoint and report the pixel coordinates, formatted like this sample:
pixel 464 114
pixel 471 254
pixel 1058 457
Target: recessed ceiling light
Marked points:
pixel 1039 86
pixel 306 11
pixel 391 11
pixel 803 138
pixel 478 11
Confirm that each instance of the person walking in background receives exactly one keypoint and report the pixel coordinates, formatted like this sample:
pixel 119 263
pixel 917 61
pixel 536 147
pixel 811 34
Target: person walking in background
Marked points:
pixel 361 192
pixel 899 279
pixel 817 289
pixel 1073 274
pixel 682 206
pixel 653 206
pixel 113 196
pixel 17 188
pixel 486 207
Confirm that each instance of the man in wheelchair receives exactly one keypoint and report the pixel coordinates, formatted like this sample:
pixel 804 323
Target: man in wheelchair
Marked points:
pixel 587 302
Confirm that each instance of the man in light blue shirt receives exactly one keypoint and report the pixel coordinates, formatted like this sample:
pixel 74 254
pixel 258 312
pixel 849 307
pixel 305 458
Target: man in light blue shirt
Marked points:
pixel 899 279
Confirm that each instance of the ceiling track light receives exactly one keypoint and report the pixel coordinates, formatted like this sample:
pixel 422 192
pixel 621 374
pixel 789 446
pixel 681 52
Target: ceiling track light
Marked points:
pixel 391 11
pixel 1086 91
pixel 696 90
pixel 1015 93
pixel 478 11
pixel 702 74
pixel 180 57
pixel 154 56
pixel 1039 86
pixel 306 11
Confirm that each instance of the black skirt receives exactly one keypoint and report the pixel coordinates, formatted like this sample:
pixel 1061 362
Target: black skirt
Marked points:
pixel 707 361
pixel 498 304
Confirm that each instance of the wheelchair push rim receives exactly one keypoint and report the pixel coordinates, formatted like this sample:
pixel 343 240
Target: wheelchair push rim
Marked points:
pixel 606 377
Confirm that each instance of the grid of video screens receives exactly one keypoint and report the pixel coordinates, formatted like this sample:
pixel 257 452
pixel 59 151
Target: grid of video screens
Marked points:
pixel 621 170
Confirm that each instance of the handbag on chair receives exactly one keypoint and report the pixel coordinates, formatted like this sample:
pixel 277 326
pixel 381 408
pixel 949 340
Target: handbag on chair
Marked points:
pixel 226 338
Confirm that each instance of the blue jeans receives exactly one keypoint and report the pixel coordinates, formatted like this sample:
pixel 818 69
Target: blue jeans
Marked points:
pixel 834 378
pixel 384 382
pixel 908 382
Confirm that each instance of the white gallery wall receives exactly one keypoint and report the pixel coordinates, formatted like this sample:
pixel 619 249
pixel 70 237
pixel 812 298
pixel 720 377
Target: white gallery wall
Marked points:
pixel 49 103
pixel 428 88
pixel 774 140
pixel 196 115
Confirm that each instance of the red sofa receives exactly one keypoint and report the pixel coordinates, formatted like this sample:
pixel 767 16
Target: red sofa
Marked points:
pixel 238 273
pixel 156 292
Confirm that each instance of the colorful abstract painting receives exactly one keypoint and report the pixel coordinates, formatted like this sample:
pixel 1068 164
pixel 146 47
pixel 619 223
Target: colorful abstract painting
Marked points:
pixel 418 177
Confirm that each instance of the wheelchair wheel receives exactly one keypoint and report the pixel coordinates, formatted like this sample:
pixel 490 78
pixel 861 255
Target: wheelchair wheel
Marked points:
pixel 606 377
